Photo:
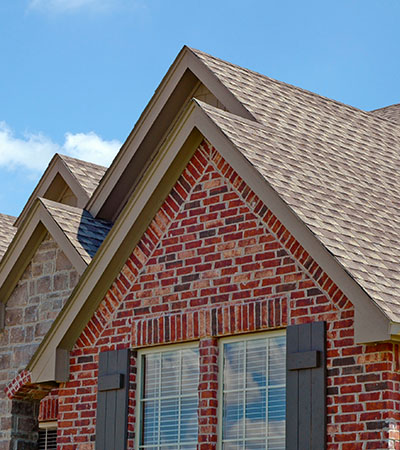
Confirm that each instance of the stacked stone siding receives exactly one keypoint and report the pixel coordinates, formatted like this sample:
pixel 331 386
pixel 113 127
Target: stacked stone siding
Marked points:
pixel 31 309
pixel 216 262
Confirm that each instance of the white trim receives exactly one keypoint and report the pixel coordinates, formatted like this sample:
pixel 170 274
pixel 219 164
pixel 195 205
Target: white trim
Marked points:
pixel 50 424
pixel 221 342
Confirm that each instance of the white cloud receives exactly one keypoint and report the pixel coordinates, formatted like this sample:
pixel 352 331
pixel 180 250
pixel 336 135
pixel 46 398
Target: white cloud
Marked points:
pixel 65 6
pixel 33 152
pixel 91 147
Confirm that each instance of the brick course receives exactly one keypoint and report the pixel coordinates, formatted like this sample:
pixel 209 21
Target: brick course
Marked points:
pixel 213 262
pixel 31 309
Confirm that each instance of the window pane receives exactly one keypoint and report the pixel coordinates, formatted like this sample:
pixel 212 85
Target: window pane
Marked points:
pixel 188 427
pixel 256 413
pixel 233 416
pixel 190 368
pixel 152 371
pixel 169 418
pixel 254 394
pixel 170 400
pixel 150 430
pixel 233 366
pixel 170 373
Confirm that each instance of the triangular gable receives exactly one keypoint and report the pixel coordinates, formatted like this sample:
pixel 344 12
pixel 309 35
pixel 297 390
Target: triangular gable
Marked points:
pixel 66 180
pixel 187 77
pixel 74 230
pixel 370 323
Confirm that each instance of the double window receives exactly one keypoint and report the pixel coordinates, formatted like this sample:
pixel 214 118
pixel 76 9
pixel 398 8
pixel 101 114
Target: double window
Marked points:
pixel 251 395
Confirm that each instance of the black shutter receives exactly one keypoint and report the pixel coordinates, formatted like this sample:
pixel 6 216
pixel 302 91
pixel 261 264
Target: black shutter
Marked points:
pixel 112 400
pixel 306 387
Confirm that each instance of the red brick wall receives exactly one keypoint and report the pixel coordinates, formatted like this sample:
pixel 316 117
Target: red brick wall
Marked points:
pixel 215 262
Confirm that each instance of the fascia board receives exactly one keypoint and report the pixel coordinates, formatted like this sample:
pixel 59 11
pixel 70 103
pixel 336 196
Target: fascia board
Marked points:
pixel 62 240
pixel 29 235
pixel 371 324
pixel 56 166
pixel 185 60
pixel 73 184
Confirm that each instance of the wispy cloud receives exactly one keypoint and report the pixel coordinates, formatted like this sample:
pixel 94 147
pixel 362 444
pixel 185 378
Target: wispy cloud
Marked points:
pixel 65 6
pixel 33 152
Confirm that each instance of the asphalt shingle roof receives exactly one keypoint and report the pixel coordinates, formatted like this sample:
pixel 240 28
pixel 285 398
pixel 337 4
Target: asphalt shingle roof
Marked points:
pixel 391 113
pixel 7 232
pixel 84 232
pixel 87 174
pixel 336 166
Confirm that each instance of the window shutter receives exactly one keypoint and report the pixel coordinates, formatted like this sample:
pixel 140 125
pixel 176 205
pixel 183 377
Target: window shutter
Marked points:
pixel 306 387
pixel 112 400
pixel 47 439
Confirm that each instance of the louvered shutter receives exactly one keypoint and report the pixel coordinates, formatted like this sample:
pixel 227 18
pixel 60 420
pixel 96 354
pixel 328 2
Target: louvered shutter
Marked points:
pixel 47 439
pixel 306 387
pixel 112 400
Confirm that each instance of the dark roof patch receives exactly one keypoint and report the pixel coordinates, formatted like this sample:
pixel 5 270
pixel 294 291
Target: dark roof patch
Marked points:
pixel 84 232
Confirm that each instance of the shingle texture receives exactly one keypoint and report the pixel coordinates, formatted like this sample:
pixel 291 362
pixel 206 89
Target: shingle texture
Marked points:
pixel 7 232
pixel 87 174
pixel 391 113
pixel 84 232
pixel 337 167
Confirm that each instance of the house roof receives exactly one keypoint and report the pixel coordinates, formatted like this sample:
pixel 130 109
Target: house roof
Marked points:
pixel 391 113
pixel 329 168
pixel 87 173
pixel 84 232
pixel 7 232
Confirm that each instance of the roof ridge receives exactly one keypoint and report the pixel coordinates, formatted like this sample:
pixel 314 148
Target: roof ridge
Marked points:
pixel 63 156
pixel 283 83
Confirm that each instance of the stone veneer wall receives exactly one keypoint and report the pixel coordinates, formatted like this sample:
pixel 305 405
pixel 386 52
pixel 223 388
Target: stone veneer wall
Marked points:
pixel 31 309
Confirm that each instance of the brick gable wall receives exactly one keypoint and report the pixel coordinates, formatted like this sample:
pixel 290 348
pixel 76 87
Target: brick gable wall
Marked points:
pixel 35 302
pixel 216 262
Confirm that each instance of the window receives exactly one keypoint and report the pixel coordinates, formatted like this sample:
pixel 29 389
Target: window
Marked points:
pixel 47 436
pixel 168 393
pixel 252 392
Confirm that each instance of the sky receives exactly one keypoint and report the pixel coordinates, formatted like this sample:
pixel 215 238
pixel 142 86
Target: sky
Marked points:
pixel 76 74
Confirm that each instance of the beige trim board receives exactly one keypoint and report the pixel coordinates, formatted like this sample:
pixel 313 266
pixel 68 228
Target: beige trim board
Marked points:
pixel 29 236
pixel 52 186
pixel 173 93
pixel 370 323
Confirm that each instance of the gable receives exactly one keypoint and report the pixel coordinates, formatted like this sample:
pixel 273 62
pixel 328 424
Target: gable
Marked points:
pixel 67 181
pixel 213 243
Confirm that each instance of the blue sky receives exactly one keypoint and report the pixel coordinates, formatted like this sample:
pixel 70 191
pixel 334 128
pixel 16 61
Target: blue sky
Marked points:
pixel 76 74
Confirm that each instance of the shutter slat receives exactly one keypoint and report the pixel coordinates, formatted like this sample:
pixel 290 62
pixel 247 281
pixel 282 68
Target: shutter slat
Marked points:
pixel 304 391
pixel 112 400
pixel 306 387
pixel 111 403
pixel 318 383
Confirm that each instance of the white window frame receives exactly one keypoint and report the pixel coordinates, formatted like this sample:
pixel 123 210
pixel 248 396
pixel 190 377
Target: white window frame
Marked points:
pixel 140 379
pixel 221 342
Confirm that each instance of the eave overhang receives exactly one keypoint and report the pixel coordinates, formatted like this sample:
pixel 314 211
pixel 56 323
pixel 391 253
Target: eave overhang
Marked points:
pixel 50 362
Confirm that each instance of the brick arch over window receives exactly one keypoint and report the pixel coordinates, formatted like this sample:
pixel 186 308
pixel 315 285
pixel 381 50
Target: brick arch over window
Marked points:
pixel 214 244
